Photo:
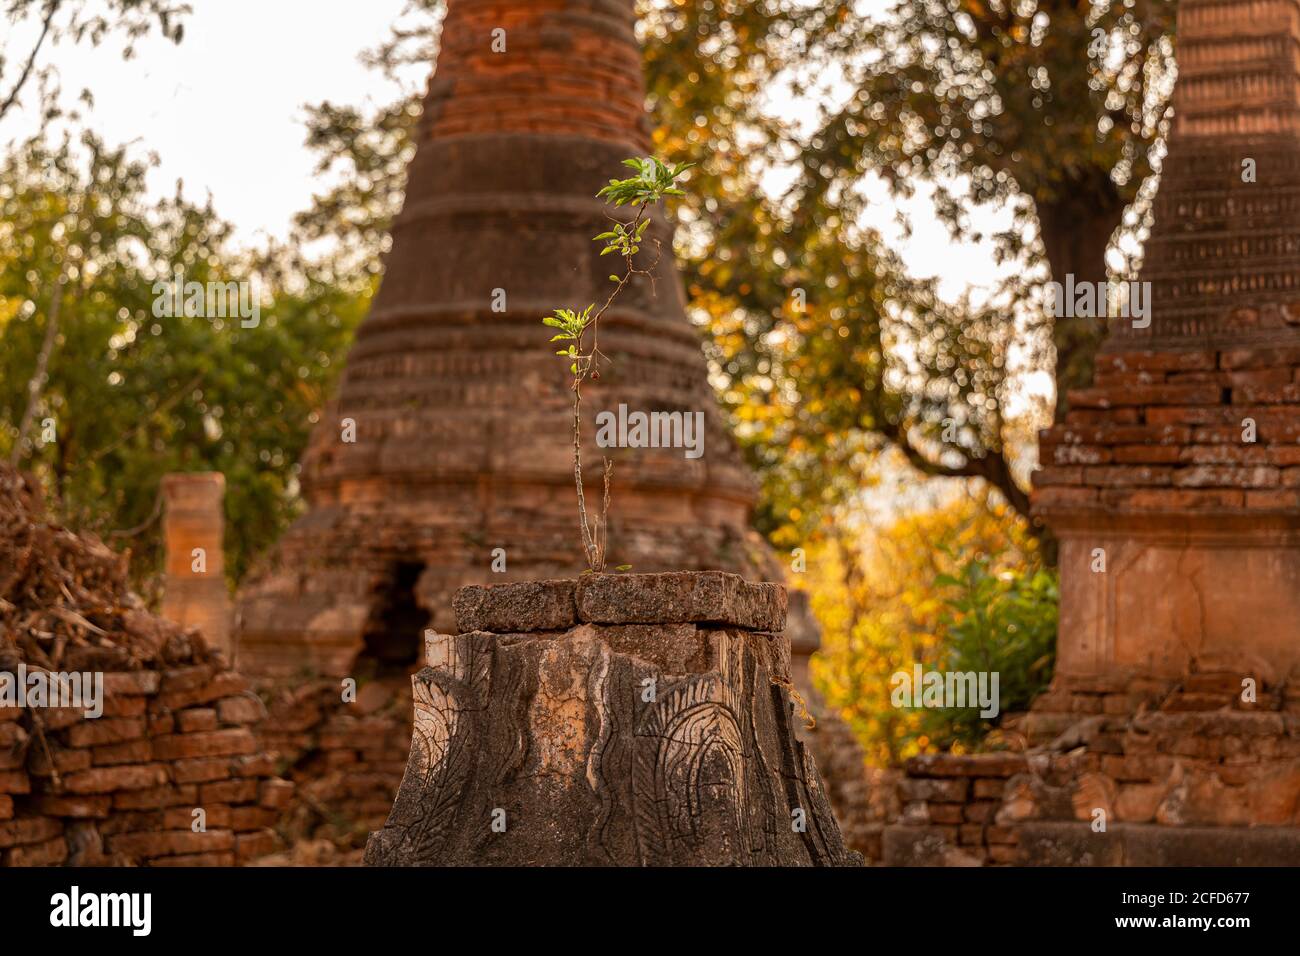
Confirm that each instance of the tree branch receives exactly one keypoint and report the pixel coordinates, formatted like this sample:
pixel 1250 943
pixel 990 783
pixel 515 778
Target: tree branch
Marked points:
pixel 31 60
pixel 992 468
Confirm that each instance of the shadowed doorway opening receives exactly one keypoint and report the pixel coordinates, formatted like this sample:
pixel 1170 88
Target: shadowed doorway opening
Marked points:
pixel 395 632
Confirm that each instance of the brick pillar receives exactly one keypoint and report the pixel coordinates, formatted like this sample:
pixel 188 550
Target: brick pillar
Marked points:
pixel 193 528
pixel 1180 468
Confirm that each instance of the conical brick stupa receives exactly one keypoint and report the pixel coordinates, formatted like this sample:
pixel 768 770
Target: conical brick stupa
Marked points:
pixel 447 457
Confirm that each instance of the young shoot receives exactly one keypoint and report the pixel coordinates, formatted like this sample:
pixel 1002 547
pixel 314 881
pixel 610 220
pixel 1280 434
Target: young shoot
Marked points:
pixel 625 238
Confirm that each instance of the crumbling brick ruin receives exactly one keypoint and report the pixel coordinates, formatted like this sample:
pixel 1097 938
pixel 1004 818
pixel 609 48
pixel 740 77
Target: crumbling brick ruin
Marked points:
pixel 177 729
pixel 449 438
pixel 620 719
pixel 1174 488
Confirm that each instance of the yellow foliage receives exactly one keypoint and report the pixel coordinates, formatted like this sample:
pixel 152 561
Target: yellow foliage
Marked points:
pixel 872 590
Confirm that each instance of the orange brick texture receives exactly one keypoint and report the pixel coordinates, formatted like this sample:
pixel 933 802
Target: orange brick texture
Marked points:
pixel 566 69
pixel 1181 754
pixel 1179 430
pixel 121 789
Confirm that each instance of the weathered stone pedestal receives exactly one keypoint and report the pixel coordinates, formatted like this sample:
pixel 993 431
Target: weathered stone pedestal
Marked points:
pixel 639 719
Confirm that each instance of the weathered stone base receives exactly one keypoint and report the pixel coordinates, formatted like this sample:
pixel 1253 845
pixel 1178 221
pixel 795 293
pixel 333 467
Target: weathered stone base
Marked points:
pixel 1180 594
pixel 618 720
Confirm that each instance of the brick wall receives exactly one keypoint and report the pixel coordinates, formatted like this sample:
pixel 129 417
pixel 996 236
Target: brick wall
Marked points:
pixel 176 735
pixel 1163 431
pixel 345 759
pixel 1163 758
pixel 567 69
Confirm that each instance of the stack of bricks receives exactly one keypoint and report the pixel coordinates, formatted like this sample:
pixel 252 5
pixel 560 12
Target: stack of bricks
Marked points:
pixel 1106 753
pixel 950 805
pixel 345 759
pixel 1181 431
pixel 1200 751
pixel 123 788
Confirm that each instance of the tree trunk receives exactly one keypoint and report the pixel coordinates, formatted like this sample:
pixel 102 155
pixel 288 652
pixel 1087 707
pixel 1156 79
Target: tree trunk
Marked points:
pixel 1076 232
pixel 36 385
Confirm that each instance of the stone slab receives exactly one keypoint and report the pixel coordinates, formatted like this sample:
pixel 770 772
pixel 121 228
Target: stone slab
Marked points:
pixel 682 597
pixel 517 606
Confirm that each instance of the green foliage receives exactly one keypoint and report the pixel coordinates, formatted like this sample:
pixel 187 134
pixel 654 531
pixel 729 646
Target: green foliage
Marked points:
pixel 365 155
pixel 885 597
pixel 652 182
pixel 134 395
pixel 571 325
pixel 994 621
pixel 979 102
pixel 623 241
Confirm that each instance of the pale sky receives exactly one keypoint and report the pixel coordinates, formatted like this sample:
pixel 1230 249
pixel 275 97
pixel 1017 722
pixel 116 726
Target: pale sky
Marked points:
pixel 223 111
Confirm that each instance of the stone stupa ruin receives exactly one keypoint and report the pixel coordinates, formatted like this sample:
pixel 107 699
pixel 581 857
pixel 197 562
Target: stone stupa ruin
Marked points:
pixel 1181 462
pixel 462 442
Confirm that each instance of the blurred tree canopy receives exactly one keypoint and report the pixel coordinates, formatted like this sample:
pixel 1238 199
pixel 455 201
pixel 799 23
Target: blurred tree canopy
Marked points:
pixel 825 351
pixel 130 396
pixel 1051 108
pixel 831 359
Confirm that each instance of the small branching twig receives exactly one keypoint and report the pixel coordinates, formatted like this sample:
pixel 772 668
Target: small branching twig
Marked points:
pixel 652 183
